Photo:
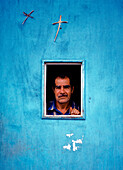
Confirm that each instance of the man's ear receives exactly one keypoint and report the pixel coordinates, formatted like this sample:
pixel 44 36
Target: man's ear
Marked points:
pixel 72 89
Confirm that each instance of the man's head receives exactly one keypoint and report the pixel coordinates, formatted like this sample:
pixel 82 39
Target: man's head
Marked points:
pixel 63 89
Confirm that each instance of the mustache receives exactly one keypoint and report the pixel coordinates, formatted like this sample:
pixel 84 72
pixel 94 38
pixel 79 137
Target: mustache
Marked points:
pixel 62 95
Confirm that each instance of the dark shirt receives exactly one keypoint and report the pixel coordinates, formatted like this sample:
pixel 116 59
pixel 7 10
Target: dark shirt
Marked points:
pixel 52 110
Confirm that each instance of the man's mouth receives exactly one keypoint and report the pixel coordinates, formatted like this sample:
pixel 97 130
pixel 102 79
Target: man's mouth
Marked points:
pixel 62 96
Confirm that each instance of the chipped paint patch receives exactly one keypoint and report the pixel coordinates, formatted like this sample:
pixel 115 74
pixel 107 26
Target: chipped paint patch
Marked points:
pixel 69 135
pixel 74 144
pixel 78 141
pixel 68 147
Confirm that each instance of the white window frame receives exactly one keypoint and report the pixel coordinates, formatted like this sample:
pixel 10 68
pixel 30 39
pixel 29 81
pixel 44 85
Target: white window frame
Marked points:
pixel 45 63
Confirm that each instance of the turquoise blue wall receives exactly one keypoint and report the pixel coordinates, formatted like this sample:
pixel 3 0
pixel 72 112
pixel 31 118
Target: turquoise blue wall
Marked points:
pixel 94 33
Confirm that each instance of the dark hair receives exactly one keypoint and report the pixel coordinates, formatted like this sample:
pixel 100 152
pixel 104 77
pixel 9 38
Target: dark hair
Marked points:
pixel 62 74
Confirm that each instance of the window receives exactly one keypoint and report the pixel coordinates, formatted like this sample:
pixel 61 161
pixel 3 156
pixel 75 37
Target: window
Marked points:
pixel 63 89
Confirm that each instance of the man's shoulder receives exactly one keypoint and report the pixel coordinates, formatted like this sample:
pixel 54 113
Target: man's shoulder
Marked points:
pixel 50 105
pixel 50 108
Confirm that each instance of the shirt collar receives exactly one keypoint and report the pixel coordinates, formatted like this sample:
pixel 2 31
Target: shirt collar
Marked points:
pixel 53 105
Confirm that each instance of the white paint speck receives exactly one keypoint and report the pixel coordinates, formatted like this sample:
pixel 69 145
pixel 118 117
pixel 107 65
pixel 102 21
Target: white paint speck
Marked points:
pixel 78 141
pixel 74 144
pixel 69 135
pixel 68 147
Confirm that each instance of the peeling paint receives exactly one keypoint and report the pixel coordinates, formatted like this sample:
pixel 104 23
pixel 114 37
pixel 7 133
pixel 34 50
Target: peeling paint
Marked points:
pixel 69 135
pixel 74 144
pixel 77 141
pixel 68 147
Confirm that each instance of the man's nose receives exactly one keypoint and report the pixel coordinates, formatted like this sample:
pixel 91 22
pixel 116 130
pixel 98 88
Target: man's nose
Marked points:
pixel 62 90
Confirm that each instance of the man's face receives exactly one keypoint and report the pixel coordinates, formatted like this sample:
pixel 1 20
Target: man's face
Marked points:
pixel 63 90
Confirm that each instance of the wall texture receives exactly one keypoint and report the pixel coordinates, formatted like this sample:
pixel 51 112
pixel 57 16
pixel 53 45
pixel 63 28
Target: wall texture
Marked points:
pixel 94 33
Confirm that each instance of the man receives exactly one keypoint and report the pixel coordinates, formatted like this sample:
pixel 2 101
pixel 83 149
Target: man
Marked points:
pixel 63 90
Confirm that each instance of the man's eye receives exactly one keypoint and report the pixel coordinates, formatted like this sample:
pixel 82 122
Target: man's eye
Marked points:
pixel 67 87
pixel 58 87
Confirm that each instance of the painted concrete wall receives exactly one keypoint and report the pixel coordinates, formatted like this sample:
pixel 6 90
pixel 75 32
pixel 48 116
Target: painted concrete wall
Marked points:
pixel 94 33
